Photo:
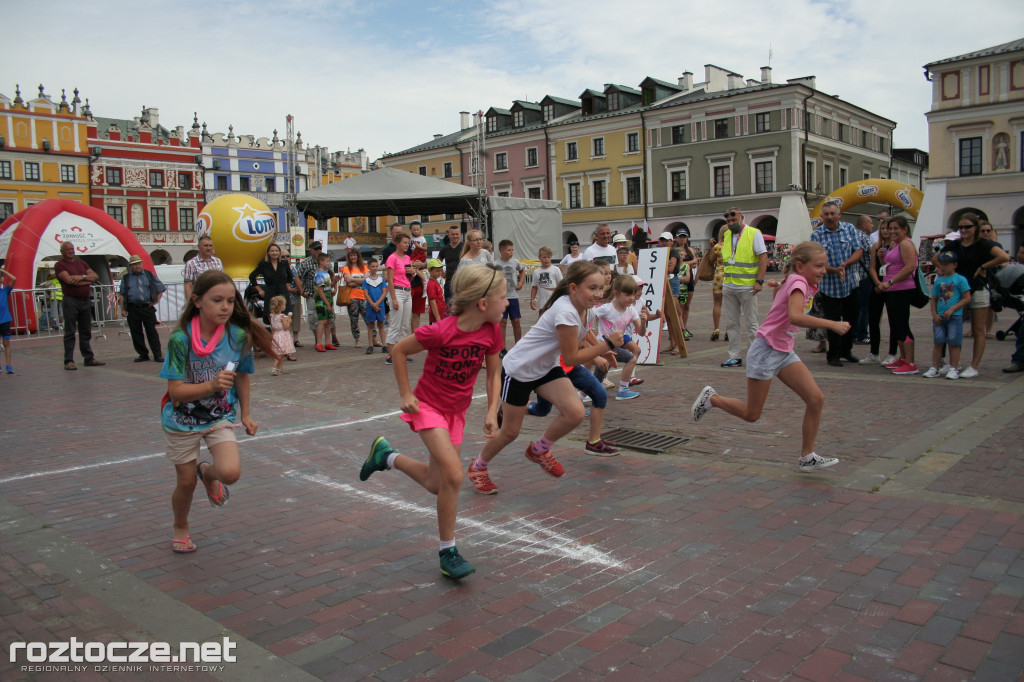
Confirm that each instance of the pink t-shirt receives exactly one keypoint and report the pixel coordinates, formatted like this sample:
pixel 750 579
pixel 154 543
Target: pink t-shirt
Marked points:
pixel 611 320
pixel 454 358
pixel 893 260
pixel 777 330
pixel 398 263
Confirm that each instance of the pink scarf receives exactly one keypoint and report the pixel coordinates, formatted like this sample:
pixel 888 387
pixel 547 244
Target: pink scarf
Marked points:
pixel 198 347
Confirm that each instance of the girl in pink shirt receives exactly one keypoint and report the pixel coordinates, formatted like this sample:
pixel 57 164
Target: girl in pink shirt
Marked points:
pixel 771 354
pixel 457 347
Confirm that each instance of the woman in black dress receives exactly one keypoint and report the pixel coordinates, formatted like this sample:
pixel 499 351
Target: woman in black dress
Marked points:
pixel 276 275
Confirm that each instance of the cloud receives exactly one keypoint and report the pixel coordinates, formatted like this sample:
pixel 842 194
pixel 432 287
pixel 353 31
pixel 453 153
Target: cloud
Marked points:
pixel 386 76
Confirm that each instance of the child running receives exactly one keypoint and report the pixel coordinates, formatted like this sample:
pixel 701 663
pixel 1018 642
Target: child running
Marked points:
pixel 533 365
pixel 771 354
pixel 619 314
pixel 457 347
pixel 280 327
pixel 207 367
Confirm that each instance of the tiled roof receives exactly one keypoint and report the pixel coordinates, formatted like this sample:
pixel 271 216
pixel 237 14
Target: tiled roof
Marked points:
pixel 534 106
pixel 625 88
pixel 443 141
pixel 562 100
pixel 127 127
pixel 1012 46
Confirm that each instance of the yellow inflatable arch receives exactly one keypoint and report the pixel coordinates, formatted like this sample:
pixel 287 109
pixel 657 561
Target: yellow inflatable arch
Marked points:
pixel 872 190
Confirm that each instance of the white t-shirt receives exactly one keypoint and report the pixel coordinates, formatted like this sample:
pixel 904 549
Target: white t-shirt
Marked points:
pixel 482 258
pixel 610 320
pixel 421 240
pixel 569 259
pixel 537 352
pixel 626 269
pixel 595 251
pixel 350 243
pixel 546 279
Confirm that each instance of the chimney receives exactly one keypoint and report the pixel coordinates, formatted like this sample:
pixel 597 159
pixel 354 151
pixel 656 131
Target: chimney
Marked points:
pixel 686 81
pixel 438 135
pixel 153 117
pixel 463 120
pixel 476 118
pixel 735 81
pixel 766 75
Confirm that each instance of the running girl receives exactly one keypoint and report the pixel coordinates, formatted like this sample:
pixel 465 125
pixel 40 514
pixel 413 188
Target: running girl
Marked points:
pixel 281 334
pixel 620 315
pixel 533 365
pixel 457 347
pixel 207 367
pixel 771 354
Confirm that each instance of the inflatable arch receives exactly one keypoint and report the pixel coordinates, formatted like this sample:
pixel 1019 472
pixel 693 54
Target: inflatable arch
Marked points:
pixel 29 236
pixel 872 190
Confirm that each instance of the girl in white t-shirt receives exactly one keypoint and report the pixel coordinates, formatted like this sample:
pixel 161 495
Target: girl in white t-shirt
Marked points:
pixel 771 353
pixel 533 365
pixel 474 253
pixel 573 256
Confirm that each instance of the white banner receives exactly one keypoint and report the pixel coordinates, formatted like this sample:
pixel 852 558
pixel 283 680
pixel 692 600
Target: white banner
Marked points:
pixel 651 266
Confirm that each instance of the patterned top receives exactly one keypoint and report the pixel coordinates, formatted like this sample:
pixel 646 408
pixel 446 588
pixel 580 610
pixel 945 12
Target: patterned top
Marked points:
pixel 839 246
pixel 307 273
pixel 198 266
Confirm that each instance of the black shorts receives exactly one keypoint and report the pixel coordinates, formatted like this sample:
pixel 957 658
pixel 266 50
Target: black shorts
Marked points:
pixel 5 330
pixel 517 393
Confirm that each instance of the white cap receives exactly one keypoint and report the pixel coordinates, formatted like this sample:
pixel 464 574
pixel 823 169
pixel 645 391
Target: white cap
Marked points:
pixel 665 235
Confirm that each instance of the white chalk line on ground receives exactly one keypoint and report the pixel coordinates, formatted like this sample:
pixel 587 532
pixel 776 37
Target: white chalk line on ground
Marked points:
pixel 528 536
pixel 258 437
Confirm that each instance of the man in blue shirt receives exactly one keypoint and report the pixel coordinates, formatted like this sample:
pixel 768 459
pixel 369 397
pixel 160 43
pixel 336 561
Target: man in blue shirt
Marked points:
pixel 139 294
pixel 838 288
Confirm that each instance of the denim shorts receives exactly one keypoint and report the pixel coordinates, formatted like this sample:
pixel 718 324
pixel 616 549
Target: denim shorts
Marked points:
pixel 950 332
pixel 583 380
pixel 764 362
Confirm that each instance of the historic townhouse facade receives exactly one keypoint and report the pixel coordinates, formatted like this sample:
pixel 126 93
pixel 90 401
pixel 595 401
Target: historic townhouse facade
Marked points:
pixel 258 167
pixel 728 142
pixel 976 140
pixel 148 178
pixel 674 153
pixel 44 151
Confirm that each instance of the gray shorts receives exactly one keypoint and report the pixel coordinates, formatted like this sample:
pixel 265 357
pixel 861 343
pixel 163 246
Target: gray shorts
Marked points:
pixel 764 362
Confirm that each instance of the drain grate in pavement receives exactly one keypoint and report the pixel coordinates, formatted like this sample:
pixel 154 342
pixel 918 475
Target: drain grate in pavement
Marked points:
pixel 643 441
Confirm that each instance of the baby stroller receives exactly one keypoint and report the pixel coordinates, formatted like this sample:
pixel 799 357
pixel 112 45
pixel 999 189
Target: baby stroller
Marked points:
pixel 253 301
pixel 1006 287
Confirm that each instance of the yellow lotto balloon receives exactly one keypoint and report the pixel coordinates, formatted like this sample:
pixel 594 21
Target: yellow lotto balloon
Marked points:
pixel 872 190
pixel 242 227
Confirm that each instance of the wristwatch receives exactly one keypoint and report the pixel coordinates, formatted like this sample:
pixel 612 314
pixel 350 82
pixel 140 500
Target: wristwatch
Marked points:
pixel 759 281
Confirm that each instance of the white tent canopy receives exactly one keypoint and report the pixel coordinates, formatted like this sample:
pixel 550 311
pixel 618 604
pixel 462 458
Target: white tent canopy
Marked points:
pixel 794 223
pixel 388 191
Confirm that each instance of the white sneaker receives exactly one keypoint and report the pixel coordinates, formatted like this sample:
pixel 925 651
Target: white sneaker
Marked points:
pixel 969 373
pixel 608 383
pixel 584 397
pixel 931 373
pixel 702 404
pixel 817 462
pixel 869 359
pixel 889 359
pixel 952 373
pixel 945 368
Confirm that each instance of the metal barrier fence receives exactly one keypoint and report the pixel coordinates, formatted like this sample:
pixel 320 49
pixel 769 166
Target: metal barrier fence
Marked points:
pixel 43 307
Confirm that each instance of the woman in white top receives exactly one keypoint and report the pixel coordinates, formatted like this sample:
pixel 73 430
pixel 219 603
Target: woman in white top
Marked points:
pixel 571 257
pixel 474 253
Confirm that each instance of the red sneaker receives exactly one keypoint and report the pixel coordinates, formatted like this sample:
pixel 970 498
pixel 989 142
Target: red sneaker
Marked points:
pixel 481 481
pixel 320 347
pixel 331 346
pixel 898 363
pixel 546 461
pixel 636 381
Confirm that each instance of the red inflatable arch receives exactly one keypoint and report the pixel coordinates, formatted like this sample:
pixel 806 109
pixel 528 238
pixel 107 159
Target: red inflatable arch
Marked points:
pixel 29 236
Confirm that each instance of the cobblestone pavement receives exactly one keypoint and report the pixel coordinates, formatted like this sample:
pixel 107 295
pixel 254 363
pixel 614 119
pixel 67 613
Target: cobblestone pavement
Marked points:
pixel 716 560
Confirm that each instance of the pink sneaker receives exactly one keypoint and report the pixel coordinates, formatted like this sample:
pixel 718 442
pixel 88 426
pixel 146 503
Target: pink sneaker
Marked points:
pixel 905 368
pixel 546 461
pixel 898 363
pixel 481 481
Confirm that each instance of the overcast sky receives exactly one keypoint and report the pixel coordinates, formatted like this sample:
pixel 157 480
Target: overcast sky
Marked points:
pixel 385 76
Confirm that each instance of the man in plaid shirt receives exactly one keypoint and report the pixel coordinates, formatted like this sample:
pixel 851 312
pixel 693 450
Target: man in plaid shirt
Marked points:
pixel 838 288
pixel 204 261
pixel 306 273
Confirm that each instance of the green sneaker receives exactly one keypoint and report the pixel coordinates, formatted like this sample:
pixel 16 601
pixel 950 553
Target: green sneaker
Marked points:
pixel 378 459
pixel 453 565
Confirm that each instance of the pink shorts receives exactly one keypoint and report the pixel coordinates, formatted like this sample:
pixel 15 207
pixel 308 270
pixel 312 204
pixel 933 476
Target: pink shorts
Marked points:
pixel 429 418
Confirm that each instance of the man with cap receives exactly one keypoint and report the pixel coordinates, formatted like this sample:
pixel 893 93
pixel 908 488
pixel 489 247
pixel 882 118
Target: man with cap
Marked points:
pixel 76 280
pixel 745 259
pixel 140 293
pixel 305 276
pixel 601 250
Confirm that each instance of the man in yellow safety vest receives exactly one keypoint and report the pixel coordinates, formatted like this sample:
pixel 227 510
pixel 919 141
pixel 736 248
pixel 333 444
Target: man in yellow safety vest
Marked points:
pixel 746 260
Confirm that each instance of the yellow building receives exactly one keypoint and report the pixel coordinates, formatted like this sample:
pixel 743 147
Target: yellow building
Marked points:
pixel 976 141
pixel 44 151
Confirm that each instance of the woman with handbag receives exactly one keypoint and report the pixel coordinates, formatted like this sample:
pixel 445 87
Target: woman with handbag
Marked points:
pixel 351 295
pixel 899 284
pixel 276 276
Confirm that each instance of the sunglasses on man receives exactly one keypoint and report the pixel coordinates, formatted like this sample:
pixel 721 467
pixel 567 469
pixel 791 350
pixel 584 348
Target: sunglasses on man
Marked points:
pixel 730 214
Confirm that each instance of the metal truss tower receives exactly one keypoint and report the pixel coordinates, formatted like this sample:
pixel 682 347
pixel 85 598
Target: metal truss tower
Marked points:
pixel 292 212
pixel 478 170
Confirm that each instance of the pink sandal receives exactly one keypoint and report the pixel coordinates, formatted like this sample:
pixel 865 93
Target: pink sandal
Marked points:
pixel 186 546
